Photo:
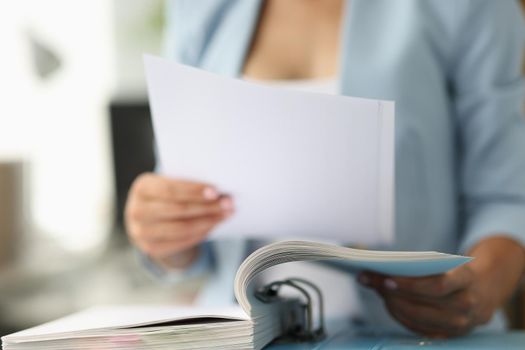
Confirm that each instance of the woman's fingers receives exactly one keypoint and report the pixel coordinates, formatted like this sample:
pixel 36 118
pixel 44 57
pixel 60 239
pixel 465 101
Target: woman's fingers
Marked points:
pixel 437 286
pixel 176 229
pixel 441 305
pixel 152 211
pixel 164 247
pixel 415 326
pixel 155 187
pixel 433 320
pixel 166 217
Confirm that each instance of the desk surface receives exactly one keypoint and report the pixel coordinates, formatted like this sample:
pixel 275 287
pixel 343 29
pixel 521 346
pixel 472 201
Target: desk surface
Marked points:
pixel 346 340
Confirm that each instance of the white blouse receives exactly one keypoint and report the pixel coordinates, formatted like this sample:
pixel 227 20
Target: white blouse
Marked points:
pixel 324 85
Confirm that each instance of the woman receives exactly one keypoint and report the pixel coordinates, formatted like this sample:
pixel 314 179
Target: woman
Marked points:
pixel 454 70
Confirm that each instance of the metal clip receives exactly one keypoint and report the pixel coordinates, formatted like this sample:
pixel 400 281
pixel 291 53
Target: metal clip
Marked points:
pixel 303 329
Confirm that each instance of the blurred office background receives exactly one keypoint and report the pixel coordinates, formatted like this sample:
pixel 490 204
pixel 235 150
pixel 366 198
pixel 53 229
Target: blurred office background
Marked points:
pixel 74 131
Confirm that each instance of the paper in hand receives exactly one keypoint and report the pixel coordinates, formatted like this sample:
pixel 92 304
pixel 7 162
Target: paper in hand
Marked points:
pixel 297 164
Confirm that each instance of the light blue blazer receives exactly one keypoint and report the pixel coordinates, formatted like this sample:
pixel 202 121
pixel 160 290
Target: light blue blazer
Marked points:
pixel 454 69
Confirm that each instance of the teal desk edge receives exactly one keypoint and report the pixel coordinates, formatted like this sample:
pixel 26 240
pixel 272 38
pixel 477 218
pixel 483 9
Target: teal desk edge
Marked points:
pixel 346 339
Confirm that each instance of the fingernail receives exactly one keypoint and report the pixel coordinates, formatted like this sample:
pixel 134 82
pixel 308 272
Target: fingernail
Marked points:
pixel 390 284
pixel 226 204
pixel 210 193
pixel 363 279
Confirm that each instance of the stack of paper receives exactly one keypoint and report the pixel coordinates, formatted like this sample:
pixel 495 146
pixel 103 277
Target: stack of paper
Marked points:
pixel 139 327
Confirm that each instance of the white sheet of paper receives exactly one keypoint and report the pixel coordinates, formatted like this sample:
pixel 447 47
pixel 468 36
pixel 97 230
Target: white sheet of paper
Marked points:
pixel 112 317
pixel 297 164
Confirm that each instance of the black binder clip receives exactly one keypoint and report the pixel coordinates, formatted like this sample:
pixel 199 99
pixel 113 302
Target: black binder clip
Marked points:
pixel 299 327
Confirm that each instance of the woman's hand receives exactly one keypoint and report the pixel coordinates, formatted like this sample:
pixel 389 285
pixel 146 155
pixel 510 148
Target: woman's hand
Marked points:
pixel 453 303
pixel 167 218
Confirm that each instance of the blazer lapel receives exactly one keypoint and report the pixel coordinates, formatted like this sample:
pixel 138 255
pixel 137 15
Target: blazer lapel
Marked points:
pixel 227 50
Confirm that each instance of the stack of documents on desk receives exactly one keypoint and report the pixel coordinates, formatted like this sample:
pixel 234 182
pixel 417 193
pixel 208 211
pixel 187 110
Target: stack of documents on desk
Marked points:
pixel 251 326
pixel 141 327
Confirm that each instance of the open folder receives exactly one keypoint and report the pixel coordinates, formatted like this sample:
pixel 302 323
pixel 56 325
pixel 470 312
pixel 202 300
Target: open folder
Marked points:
pixel 298 164
pixel 263 315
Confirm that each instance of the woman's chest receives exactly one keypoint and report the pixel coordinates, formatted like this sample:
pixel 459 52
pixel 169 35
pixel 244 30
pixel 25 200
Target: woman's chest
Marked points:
pixel 295 40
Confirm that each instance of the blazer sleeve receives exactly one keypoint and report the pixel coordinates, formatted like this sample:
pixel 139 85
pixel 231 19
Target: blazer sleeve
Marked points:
pixel 202 266
pixel 488 90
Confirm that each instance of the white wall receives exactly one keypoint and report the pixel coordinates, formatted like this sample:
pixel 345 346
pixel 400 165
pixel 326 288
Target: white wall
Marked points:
pixel 60 126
